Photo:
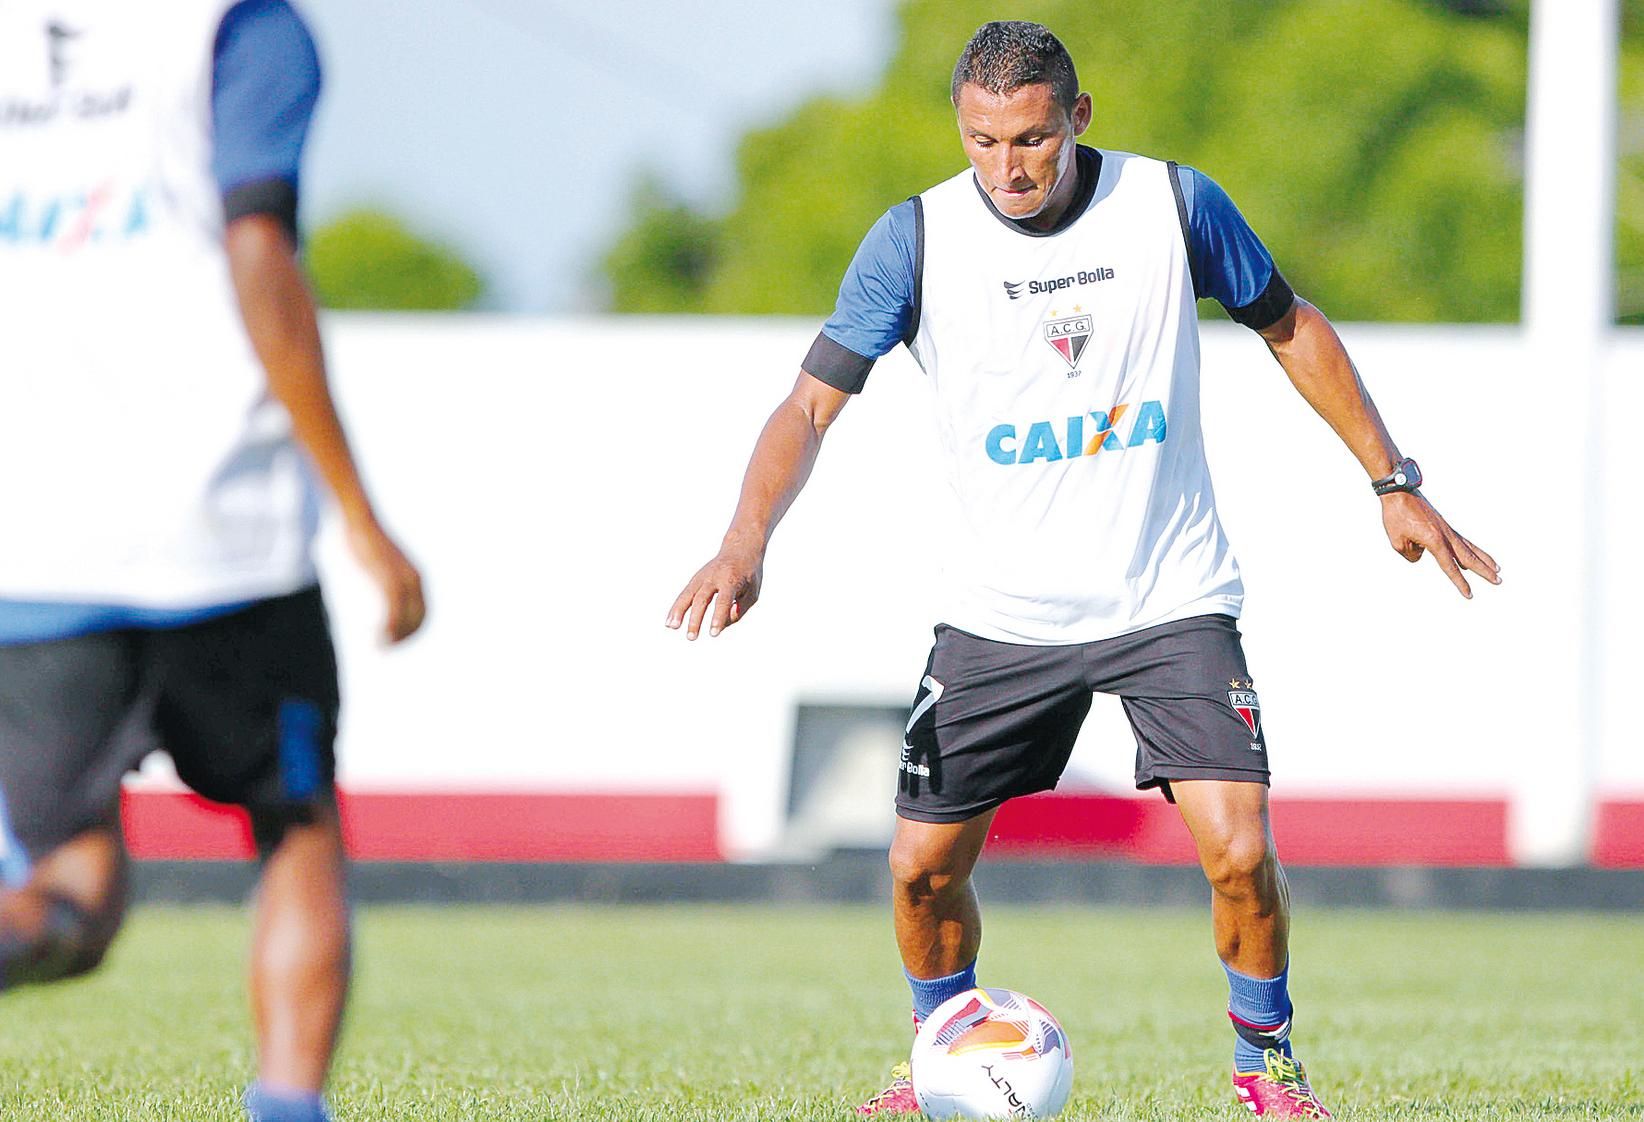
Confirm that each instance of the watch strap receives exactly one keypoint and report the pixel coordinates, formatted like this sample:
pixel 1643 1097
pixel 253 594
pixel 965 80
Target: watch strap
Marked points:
pixel 1405 476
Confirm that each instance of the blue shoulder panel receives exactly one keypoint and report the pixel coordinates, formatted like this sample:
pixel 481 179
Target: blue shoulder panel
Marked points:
pixel 266 82
pixel 878 297
pixel 1230 263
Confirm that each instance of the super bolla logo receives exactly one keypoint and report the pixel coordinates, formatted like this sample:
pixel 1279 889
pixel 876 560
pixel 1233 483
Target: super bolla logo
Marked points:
pixel 1086 434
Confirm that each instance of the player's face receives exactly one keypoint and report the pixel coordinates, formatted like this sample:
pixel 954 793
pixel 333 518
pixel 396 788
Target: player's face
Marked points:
pixel 1022 146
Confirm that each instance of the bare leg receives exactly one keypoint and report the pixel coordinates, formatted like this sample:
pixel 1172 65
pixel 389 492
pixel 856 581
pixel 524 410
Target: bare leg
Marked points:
pixel 1250 910
pixel 938 918
pixel 300 956
pixel 62 922
pixel 1250 900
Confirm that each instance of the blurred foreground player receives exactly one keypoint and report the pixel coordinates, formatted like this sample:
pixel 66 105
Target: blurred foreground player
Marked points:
pixel 1048 294
pixel 163 403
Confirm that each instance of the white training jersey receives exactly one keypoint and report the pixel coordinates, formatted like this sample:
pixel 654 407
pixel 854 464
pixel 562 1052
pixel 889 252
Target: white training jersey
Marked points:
pixel 142 460
pixel 1066 376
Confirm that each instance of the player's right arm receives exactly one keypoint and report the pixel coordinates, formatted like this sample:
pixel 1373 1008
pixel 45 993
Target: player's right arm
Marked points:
pixel 282 323
pixel 266 80
pixel 725 588
pixel 877 309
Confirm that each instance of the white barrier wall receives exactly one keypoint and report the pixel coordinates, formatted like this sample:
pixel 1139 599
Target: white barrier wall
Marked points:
pixel 560 480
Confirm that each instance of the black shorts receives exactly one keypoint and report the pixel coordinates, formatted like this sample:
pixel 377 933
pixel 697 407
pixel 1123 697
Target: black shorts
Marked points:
pixel 244 703
pixel 995 720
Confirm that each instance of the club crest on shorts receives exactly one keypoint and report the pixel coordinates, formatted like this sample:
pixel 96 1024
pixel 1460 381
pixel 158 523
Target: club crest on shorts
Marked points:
pixel 1068 335
pixel 1246 705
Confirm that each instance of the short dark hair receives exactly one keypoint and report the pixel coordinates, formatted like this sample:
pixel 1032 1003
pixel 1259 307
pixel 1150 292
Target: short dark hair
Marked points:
pixel 1005 55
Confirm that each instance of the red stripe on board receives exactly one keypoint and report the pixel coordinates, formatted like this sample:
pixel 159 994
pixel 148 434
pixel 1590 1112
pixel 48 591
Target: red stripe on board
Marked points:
pixel 1146 830
pixel 1618 835
pixel 586 827
pixel 452 827
pixel 1309 831
pixel 1392 831
pixel 609 827
pixel 163 825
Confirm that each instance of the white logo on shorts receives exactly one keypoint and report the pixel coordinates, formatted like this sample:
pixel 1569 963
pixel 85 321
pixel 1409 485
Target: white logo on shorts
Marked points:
pixel 935 688
pixel 924 706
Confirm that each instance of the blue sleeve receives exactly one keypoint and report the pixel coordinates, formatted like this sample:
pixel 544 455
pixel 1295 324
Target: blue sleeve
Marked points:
pixel 1230 263
pixel 878 302
pixel 266 81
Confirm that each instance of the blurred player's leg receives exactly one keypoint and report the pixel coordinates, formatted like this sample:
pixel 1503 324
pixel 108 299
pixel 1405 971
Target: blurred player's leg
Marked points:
pixel 62 920
pixel 249 716
pixel 70 714
pixel 299 967
pixel 1250 913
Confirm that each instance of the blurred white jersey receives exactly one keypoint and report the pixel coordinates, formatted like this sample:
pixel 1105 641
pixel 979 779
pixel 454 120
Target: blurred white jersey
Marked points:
pixel 1066 373
pixel 142 460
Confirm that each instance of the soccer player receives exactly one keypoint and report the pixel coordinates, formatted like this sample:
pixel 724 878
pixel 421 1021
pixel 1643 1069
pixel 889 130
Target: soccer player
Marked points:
pixel 163 410
pixel 1048 293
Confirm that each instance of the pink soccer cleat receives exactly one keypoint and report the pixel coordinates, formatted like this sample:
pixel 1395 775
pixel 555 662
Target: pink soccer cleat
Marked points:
pixel 1282 1091
pixel 897 1098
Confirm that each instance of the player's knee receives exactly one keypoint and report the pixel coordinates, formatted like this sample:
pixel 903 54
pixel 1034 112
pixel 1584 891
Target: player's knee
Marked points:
pixel 73 940
pixel 83 936
pixel 919 872
pixel 1239 864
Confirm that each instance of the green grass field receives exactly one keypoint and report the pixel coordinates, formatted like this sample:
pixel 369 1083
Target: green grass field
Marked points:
pixel 780 1013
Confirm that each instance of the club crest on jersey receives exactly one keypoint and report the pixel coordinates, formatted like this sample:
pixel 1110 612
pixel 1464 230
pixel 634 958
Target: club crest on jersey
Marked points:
pixel 1246 705
pixel 1068 335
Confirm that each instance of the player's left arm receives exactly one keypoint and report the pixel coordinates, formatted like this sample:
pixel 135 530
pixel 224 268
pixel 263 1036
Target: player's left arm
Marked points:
pixel 1307 346
pixel 1230 264
pixel 266 81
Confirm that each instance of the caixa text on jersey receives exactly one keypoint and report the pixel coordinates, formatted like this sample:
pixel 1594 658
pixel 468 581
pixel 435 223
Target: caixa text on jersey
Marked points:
pixel 1085 434
pixel 72 220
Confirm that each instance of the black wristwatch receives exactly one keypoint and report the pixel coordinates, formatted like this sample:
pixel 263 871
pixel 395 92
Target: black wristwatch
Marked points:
pixel 1406 477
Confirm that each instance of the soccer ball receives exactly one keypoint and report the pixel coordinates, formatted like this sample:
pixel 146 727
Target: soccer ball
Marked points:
pixel 990 1053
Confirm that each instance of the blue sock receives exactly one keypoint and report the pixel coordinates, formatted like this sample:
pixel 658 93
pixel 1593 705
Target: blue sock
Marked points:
pixel 1260 1011
pixel 265 1105
pixel 928 993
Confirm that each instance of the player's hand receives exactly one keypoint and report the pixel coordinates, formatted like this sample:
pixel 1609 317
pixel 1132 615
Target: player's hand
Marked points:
pixel 728 586
pixel 395 577
pixel 1414 527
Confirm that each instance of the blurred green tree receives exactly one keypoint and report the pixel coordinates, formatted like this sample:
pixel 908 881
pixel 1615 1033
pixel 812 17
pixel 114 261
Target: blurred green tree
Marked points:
pixel 663 261
pixel 1629 195
pixel 367 260
pixel 1376 146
